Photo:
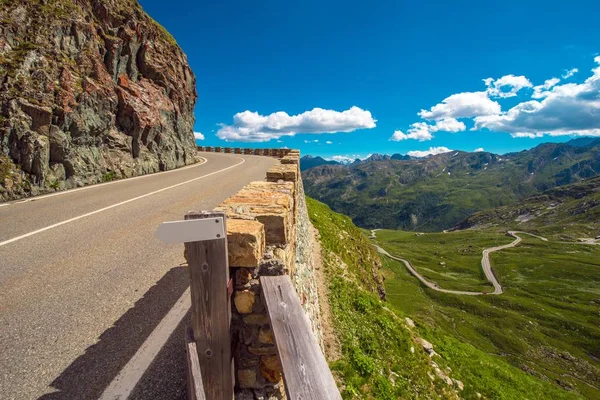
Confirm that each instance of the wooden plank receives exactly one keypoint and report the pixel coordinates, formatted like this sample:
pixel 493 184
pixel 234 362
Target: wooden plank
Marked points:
pixel 195 388
pixel 211 310
pixel 305 371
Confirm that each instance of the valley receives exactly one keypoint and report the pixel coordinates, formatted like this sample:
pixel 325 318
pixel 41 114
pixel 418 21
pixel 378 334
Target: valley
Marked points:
pixel 546 323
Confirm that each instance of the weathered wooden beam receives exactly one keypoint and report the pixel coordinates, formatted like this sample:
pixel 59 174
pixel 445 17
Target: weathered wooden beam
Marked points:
pixel 306 374
pixel 211 309
pixel 195 388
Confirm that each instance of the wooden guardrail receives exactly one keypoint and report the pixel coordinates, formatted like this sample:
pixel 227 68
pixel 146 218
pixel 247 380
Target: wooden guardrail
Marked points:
pixel 195 387
pixel 306 374
pixel 269 340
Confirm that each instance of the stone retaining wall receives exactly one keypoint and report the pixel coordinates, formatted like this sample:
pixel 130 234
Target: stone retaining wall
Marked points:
pixel 268 233
pixel 281 153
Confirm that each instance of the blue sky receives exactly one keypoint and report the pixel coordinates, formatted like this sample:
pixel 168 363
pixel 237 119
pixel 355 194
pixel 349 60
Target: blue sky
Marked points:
pixel 261 67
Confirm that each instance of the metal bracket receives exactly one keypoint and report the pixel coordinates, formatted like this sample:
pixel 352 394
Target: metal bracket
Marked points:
pixel 191 230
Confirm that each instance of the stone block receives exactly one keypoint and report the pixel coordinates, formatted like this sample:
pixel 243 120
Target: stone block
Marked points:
pixel 265 336
pixel 270 368
pixel 247 378
pixel 242 277
pixel 263 351
pixel 244 301
pixel 290 160
pixel 256 319
pixel 284 172
pixel 245 242
pixel 273 209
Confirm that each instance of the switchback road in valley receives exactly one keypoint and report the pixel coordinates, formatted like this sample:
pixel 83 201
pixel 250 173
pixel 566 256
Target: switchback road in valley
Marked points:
pixel 485 265
pixel 91 303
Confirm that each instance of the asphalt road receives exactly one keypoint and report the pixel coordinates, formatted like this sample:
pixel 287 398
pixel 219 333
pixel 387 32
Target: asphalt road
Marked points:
pixel 84 283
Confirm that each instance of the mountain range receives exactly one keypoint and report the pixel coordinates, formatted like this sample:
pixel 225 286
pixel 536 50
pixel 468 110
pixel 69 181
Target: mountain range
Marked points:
pixel 439 191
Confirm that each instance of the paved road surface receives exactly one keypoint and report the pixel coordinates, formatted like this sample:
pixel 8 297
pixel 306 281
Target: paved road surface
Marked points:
pixel 84 283
pixel 485 265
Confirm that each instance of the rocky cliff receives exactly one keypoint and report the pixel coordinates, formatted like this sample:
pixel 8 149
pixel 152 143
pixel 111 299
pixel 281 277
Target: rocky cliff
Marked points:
pixel 90 91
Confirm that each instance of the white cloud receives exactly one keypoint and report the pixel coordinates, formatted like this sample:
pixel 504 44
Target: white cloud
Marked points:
pixel 479 149
pixel 198 136
pixel 422 131
pixel 329 142
pixel 569 109
pixel 497 87
pixel 431 151
pixel 541 91
pixel 252 127
pixel 449 125
pixel 570 72
pixel 462 105
pixel 418 131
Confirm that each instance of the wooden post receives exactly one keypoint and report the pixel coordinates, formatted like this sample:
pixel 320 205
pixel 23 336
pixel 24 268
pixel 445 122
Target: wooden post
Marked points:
pixel 211 309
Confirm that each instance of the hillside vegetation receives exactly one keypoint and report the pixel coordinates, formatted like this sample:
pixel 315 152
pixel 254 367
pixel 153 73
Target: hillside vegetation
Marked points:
pixel 376 360
pixel 540 339
pixel 437 192
pixel 568 212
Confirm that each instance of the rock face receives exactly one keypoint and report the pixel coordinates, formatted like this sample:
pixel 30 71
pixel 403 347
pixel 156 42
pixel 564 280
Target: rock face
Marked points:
pixel 90 91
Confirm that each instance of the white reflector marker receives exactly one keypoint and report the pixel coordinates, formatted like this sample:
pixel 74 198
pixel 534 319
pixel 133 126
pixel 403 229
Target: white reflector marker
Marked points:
pixel 191 230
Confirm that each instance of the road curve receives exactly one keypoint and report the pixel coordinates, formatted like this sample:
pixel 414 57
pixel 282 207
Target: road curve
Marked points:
pixel 485 265
pixel 84 283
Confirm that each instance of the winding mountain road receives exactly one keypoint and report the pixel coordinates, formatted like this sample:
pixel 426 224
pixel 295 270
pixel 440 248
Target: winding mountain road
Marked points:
pixel 485 265
pixel 91 303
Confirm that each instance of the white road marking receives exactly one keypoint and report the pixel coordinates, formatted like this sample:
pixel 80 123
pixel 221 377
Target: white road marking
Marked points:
pixel 113 206
pixel 45 196
pixel 124 383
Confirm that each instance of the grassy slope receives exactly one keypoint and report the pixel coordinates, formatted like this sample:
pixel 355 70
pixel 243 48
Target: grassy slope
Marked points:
pixel 547 322
pixel 376 361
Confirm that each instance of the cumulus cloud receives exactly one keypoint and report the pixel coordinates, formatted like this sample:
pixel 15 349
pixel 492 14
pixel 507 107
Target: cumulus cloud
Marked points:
pixel 449 125
pixel 418 131
pixel 570 72
pixel 431 151
pixel 462 105
pixel 479 149
pixel 329 142
pixel 422 131
pixel 252 127
pixel 541 91
pixel 198 136
pixel 506 86
pixel 569 109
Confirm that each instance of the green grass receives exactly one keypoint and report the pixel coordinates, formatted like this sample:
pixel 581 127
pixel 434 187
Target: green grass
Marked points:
pixel 376 361
pixel 546 323
pixel 109 176
pixel 452 260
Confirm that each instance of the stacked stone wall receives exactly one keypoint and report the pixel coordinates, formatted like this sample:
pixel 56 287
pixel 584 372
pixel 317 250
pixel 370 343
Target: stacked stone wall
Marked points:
pixel 268 233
